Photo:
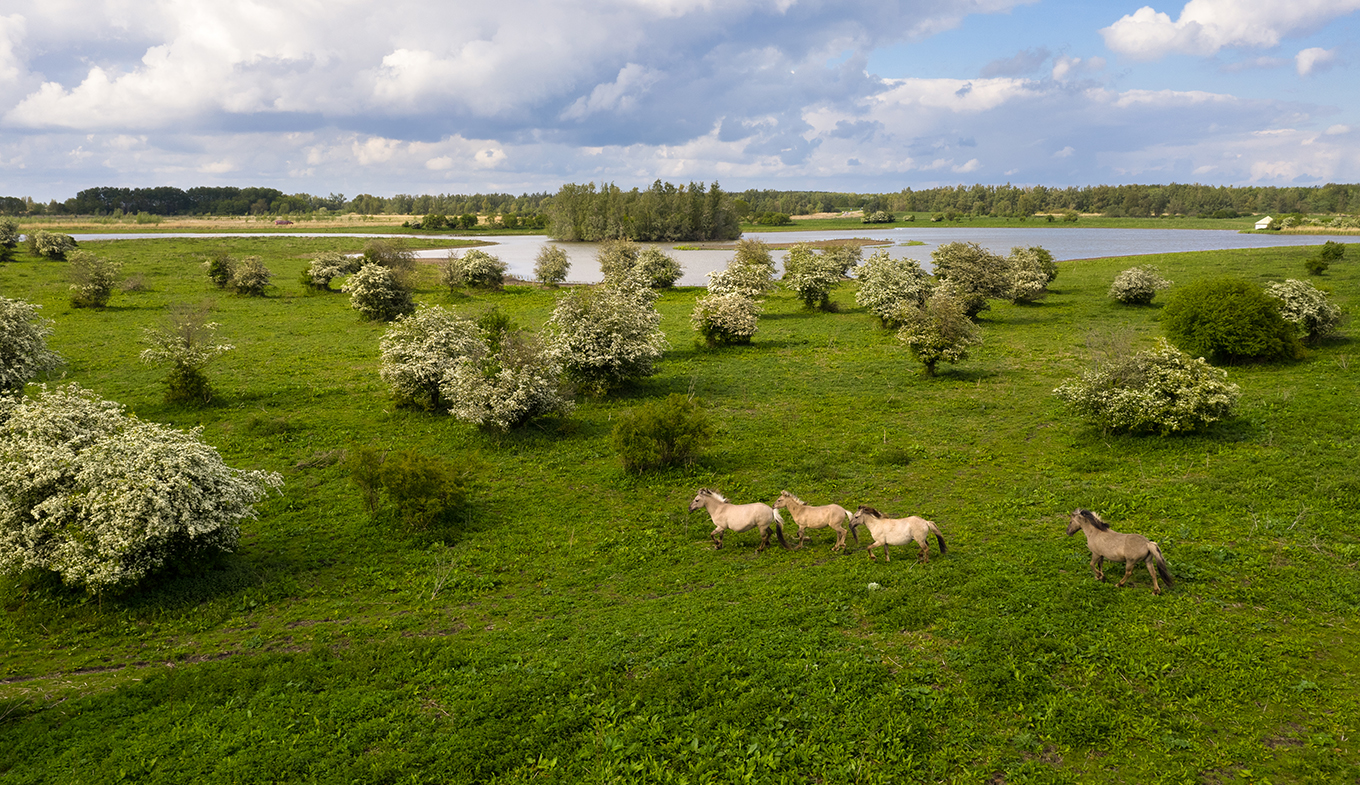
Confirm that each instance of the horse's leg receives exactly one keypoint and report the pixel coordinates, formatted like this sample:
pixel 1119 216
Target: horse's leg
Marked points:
pixel 887 557
pixel 1096 561
pixel 764 538
pixel 1128 570
pixel 717 537
pixel 870 549
pixel 1156 588
pixel 924 555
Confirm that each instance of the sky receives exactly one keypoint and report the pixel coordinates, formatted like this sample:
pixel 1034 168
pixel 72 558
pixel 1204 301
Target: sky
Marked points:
pixel 432 96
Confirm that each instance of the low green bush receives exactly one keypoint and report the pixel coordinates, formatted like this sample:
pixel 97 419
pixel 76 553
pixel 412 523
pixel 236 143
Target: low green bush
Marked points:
pixel 1229 320
pixel 422 489
pixel 668 432
pixel 92 280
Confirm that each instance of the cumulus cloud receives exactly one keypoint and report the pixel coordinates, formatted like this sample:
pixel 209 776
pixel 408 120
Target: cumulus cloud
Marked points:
pixel 1023 63
pixel 1314 59
pixel 1206 26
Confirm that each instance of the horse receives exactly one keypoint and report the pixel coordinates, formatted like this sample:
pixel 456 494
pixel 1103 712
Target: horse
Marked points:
pixel 1105 543
pixel 806 516
pixel 738 518
pixel 896 531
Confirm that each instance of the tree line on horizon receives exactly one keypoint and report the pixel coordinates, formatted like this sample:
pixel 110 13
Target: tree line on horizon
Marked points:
pixel 665 211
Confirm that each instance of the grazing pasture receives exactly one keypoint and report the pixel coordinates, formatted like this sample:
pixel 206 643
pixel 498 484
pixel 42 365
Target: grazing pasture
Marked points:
pixel 576 624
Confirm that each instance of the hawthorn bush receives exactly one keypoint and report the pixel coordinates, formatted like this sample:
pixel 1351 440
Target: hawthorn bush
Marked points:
pixel 1306 307
pixel 250 277
pixel 603 336
pixel 326 267
pixel 378 293
pixel 1032 269
pixel 52 245
pixel 23 345
pixel 724 319
pixel 185 344
pixel 475 269
pixel 973 274
pixel 92 279
pixel 512 379
pixel 1229 320
pixel 418 348
pixel 887 284
pixel 1138 285
pixel 811 276
pixel 1163 390
pixel 657 268
pixel 939 330
pixel 102 499
pixel 669 432
pixel 551 265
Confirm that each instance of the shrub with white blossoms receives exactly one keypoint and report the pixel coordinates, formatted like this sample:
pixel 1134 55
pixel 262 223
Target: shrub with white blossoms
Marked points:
pixel 1306 306
pixel 939 330
pixel 92 279
pixel 250 277
pixel 605 335
pixel 1163 390
pixel 329 265
pixel 723 319
pixel 475 269
pixel 9 238
pixel 973 273
pixel 23 345
pixel 1032 269
pixel 378 294
pixel 418 348
pixel 811 275
pixel 185 344
pixel 506 385
pixel 887 284
pixel 551 265
pixel 102 499
pixel 1138 285
pixel 657 268
pixel 53 245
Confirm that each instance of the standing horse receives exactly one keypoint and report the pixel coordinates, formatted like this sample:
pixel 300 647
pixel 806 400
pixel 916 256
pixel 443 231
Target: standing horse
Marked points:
pixel 806 516
pixel 896 531
pixel 738 518
pixel 1105 543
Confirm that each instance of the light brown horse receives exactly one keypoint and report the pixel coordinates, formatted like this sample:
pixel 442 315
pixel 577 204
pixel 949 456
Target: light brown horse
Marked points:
pixel 738 518
pixel 1105 543
pixel 896 531
pixel 831 516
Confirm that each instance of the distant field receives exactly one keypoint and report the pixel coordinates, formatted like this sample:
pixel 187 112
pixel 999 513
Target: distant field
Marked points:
pixel 579 627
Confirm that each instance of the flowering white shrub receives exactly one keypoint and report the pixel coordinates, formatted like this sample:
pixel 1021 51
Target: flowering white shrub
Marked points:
pixel 617 258
pixel 475 269
pixel 418 348
pixel 517 383
pixel 1306 306
pixel 939 330
pixel 1162 391
pixel 551 265
pixel 53 245
pixel 378 294
pixel 725 318
pixel 92 279
pixel 657 268
pixel 605 335
pixel 9 238
pixel 185 344
pixel 973 273
pixel 811 275
pixel 1138 285
pixel 23 345
pixel 887 284
pixel 102 499
pixel 1032 269
pixel 249 276
pixel 329 265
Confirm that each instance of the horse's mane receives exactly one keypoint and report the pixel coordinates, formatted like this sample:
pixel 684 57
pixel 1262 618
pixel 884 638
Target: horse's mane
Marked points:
pixel 795 498
pixel 714 494
pixel 1093 519
pixel 864 508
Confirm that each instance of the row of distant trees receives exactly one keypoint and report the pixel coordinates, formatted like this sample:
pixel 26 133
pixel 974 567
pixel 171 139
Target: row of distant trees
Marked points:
pixel 1137 201
pixel 695 211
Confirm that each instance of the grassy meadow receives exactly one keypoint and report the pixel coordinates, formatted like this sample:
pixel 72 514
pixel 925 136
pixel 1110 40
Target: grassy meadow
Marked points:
pixel 577 625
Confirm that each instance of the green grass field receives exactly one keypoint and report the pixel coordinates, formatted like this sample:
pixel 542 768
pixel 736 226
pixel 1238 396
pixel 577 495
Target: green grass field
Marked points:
pixel 577 625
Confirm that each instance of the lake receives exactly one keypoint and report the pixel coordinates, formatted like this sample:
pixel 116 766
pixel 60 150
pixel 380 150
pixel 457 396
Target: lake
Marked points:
pixel 1064 242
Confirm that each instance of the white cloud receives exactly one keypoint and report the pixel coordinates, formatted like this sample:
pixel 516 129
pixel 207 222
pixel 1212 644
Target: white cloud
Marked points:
pixel 1066 152
pixel 621 94
pixel 1206 26
pixel 1338 129
pixel 1314 59
pixel 1066 66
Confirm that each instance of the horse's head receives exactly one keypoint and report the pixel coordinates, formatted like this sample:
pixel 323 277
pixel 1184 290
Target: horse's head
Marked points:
pixel 1081 517
pixel 783 500
pixel 699 499
pixel 857 519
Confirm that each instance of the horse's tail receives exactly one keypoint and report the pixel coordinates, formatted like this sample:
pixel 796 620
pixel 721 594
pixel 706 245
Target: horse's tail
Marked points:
pixel 1162 568
pixel 779 529
pixel 939 538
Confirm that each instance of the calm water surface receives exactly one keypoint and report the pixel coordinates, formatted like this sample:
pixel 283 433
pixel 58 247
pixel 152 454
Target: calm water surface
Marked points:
pixel 518 251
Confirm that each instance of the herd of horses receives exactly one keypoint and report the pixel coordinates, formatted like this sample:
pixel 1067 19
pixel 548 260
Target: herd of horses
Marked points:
pixel 1103 542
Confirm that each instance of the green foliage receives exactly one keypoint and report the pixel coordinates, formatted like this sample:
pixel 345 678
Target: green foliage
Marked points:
pixel 23 345
pixel 220 266
pixel 1138 285
pixel 1306 307
pixel 1229 320
pixel 475 269
pixel 422 489
pixel 672 431
pixel 1320 262
pixel 972 274
pixel 551 265
pixel 772 219
pixel 378 293
pixel 878 217
pixel 1161 391
pixel 9 238
pixel 327 266
pixel 185 344
pixel 939 330
pixel 662 213
pixel 92 279
pixel 617 258
pixel 419 348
